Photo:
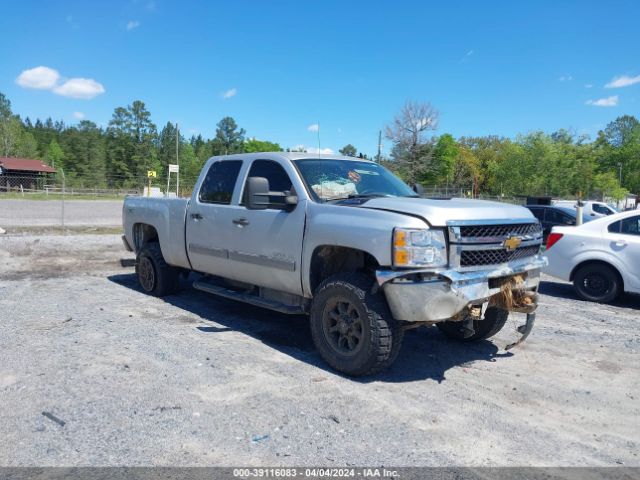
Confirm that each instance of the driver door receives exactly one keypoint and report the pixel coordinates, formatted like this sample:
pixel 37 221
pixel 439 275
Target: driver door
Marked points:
pixel 266 245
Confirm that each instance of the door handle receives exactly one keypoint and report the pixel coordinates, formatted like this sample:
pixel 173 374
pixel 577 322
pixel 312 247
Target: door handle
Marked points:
pixel 242 222
pixel 621 243
pixel 196 216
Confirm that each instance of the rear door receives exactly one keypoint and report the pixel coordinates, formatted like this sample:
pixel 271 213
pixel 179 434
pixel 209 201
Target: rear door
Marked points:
pixel 209 218
pixel 266 245
pixel 625 244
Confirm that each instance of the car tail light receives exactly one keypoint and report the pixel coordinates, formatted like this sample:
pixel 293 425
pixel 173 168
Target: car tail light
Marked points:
pixel 552 239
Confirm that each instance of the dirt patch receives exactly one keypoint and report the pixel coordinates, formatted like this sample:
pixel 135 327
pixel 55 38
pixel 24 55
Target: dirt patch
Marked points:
pixel 193 380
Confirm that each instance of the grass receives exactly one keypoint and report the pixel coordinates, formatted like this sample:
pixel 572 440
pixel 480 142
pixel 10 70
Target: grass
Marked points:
pixel 57 196
pixel 57 230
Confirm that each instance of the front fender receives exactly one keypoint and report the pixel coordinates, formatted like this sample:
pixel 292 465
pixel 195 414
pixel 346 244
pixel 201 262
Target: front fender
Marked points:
pixel 363 229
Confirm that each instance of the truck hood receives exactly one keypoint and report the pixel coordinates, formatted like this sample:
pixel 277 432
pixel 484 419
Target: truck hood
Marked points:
pixel 437 212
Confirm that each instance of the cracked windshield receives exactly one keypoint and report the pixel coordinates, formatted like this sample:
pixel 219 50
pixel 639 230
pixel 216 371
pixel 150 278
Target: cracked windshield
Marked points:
pixel 340 179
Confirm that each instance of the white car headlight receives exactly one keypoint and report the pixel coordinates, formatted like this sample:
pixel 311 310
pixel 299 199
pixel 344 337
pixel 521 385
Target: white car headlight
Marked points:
pixel 419 248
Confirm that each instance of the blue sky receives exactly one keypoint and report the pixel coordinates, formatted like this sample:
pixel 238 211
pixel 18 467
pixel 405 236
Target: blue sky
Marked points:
pixel 490 68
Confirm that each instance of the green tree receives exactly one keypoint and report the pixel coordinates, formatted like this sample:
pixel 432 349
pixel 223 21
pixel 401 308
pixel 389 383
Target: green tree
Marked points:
pixel 466 170
pixel 144 138
pixel 441 168
pixel 55 155
pixel 167 145
pixel 190 166
pixel 620 143
pixel 131 145
pixel 348 151
pixel 120 148
pixel 252 146
pixel 27 146
pixel 229 138
pixel 10 129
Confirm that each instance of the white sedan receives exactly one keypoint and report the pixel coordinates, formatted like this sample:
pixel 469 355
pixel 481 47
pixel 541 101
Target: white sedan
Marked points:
pixel 601 258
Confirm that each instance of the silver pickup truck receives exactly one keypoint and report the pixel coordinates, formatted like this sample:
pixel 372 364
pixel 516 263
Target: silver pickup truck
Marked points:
pixel 346 242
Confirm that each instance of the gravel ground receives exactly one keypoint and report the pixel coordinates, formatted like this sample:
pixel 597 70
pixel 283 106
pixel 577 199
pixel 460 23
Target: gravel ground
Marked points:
pixel 192 380
pixel 19 213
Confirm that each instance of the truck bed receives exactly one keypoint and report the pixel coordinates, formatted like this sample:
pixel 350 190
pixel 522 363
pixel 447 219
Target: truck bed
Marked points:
pixel 167 216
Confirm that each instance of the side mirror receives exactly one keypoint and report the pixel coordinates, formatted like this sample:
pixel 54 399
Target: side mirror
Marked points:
pixel 257 193
pixel 290 202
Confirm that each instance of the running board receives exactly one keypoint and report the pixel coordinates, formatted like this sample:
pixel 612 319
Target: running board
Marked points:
pixel 247 298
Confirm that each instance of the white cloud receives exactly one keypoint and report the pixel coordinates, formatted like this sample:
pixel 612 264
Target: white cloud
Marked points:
pixel 622 81
pixel 78 115
pixel 85 88
pixel 132 24
pixel 588 85
pixel 232 92
pixel 303 148
pixel 45 78
pixel 604 102
pixel 313 128
pixel 42 78
pixel 565 78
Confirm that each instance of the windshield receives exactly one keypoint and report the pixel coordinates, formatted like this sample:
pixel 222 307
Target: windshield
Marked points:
pixel 339 179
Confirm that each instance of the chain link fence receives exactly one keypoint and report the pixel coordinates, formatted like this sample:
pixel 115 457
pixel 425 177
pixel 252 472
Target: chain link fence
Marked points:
pixel 38 186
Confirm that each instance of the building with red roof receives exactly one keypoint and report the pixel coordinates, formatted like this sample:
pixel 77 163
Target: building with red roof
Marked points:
pixel 25 173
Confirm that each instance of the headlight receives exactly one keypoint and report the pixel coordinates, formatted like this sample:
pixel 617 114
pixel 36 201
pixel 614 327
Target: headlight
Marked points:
pixel 419 248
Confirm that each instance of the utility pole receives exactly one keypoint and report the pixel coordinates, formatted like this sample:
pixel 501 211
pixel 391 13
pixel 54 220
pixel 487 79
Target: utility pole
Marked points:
pixel 63 192
pixel 177 162
pixel 379 145
pixel 620 169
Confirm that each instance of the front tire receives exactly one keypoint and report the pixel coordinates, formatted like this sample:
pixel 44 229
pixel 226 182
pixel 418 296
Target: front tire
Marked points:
pixel 494 320
pixel 155 276
pixel 597 283
pixel 351 327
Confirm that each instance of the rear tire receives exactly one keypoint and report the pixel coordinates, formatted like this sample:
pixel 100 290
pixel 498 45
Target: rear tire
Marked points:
pixel 494 320
pixel 597 283
pixel 155 276
pixel 353 328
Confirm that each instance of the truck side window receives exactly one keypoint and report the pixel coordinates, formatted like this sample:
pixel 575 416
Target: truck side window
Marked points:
pixel 279 181
pixel 217 186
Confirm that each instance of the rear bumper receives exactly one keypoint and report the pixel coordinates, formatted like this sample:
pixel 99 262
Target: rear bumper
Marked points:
pixel 424 295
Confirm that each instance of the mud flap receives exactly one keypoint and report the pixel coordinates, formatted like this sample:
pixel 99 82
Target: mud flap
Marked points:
pixel 525 330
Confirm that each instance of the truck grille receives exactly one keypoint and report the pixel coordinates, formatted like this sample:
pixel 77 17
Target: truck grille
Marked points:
pixel 470 258
pixel 473 232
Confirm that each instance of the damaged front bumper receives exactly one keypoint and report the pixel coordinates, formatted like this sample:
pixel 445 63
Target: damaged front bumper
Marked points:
pixel 425 295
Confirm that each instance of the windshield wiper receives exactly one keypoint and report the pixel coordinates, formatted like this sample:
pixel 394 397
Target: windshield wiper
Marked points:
pixel 355 196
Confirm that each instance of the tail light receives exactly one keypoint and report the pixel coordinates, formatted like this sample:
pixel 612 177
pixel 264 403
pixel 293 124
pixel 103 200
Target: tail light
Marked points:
pixel 552 239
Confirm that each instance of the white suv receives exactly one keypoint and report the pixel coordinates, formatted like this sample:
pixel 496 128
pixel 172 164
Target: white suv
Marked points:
pixel 590 208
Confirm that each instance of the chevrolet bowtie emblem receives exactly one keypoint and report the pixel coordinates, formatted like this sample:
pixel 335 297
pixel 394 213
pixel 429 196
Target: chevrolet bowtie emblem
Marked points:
pixel 512 242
